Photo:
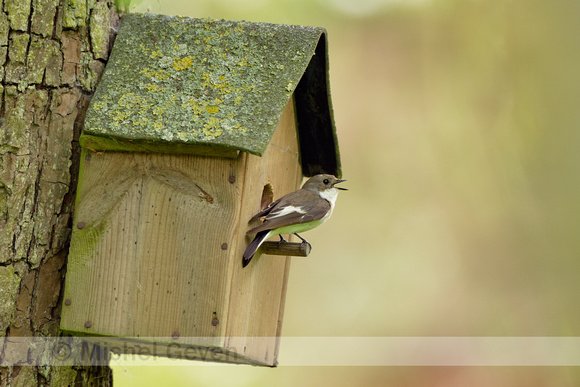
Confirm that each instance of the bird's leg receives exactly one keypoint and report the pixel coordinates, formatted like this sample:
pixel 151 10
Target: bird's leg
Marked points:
pixel 282 240
pixel 303 240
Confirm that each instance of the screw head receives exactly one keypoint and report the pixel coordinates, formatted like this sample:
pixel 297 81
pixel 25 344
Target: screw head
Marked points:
pixel 88 324
pixel 232 179
pixel 215 322
pixel 80 225
pixel 224 246
pixel 67 302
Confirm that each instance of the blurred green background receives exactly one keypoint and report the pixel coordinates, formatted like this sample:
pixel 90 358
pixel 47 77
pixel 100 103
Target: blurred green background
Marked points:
pixel 458 127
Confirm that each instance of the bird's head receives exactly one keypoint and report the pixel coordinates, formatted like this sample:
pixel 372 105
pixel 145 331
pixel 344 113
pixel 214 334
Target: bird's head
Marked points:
pixel 322 183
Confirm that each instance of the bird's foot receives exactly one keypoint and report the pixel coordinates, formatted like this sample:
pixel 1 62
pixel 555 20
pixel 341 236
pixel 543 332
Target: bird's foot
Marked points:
pixel 304 241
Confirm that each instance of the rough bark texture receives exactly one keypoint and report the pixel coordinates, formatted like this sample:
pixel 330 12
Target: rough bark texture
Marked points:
pixel 52 53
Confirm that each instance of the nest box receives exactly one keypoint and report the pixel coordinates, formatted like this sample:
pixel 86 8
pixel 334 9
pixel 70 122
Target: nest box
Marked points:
pixel 195 126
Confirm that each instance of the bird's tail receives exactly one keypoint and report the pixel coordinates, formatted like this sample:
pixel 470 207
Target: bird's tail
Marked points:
pixel 253 247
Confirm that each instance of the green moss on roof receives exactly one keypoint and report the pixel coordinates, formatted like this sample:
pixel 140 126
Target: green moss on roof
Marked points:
pixel 199 82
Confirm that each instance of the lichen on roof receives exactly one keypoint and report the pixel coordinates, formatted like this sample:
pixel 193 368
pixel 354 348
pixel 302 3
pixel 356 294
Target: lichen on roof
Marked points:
pixel 176 80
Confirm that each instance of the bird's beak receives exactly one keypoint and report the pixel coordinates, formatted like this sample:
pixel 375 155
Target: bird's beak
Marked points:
pixel 340 188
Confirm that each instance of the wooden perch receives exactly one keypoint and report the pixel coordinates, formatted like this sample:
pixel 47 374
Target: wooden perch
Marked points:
pixel 295 249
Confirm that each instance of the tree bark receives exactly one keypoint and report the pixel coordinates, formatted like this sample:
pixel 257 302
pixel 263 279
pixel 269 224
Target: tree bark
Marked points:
pixel 52 54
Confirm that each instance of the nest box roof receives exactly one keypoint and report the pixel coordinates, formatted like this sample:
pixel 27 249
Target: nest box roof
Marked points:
pixel 216 87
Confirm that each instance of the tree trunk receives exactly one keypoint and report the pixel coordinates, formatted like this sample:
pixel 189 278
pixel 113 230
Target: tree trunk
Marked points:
pixel 52 54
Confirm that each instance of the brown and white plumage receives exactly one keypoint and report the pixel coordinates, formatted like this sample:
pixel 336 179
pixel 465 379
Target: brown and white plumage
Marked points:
pixel 295 212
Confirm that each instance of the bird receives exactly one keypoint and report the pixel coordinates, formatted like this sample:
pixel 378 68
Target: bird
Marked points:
pixel 298 211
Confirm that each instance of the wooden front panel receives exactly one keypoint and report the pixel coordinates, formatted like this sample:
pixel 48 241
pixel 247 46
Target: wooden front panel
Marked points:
pixel 149 257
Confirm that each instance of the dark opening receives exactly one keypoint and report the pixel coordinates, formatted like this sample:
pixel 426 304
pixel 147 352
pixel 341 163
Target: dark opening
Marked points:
pixel 267 196
pixel 318 145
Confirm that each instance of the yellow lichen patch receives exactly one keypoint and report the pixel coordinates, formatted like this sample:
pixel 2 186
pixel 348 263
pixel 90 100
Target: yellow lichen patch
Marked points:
pixel 158 110
pixel 159 75
pixel 212 128
pixel 153 88
pixel 193 105
pixel 120 115
pixel 211 109
pixel 183 63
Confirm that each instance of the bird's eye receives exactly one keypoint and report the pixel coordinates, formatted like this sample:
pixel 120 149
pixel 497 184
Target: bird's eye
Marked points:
pixel 325 181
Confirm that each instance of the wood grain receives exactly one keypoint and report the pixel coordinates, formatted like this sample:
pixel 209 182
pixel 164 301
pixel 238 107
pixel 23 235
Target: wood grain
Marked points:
pixel 292 249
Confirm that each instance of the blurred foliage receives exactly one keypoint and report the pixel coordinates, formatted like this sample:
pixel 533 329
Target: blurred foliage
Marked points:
pixel 123 6
pixel 458 126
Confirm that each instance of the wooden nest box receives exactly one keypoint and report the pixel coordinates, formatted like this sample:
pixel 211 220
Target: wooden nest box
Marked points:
pixel 195 126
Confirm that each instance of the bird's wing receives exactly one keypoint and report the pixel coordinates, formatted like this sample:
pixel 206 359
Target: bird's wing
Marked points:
pixel 284 213
pixel 265 211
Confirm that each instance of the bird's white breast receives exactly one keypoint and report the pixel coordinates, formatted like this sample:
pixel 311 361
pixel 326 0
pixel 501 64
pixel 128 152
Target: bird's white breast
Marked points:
pixel 330 195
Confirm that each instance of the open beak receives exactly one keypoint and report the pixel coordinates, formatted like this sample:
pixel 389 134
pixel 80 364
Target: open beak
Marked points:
pixel 340 188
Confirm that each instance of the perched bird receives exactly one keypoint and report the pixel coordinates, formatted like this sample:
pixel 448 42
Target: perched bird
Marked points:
pixel 298 211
